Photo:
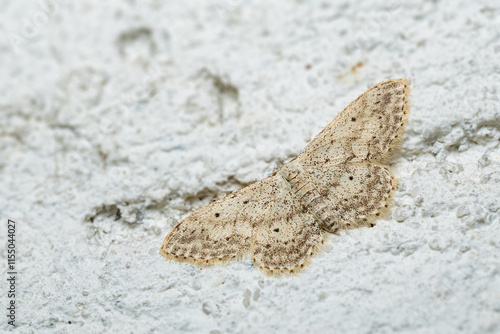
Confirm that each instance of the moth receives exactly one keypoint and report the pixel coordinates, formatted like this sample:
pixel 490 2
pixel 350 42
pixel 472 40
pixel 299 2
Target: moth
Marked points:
pixel 337 182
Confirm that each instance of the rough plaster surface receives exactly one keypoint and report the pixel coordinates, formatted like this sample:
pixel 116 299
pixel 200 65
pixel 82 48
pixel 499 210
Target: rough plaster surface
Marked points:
pixel 119 118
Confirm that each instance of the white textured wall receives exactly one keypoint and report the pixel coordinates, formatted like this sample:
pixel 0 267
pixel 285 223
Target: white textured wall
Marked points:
pixel 118 118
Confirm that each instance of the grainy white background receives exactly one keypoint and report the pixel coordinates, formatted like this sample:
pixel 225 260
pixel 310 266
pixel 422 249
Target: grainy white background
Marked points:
pixel 119 118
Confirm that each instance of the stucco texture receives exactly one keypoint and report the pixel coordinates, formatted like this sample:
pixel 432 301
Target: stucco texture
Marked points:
pixel 119 118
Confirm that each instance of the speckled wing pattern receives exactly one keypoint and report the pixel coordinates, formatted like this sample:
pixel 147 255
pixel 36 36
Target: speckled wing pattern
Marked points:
pixel 365 129
pixel 352 192
pixel 222 229
pixel 337 182
pixel 288 234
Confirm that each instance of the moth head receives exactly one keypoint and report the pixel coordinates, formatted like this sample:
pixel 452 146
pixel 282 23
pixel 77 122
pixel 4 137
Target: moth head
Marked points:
pixel 329 225
pixel 289 171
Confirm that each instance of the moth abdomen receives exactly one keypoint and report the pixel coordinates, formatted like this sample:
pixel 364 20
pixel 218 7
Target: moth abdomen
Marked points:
pixel 310 198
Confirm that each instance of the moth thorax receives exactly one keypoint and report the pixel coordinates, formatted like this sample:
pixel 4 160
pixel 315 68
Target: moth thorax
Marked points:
pixel 309 197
